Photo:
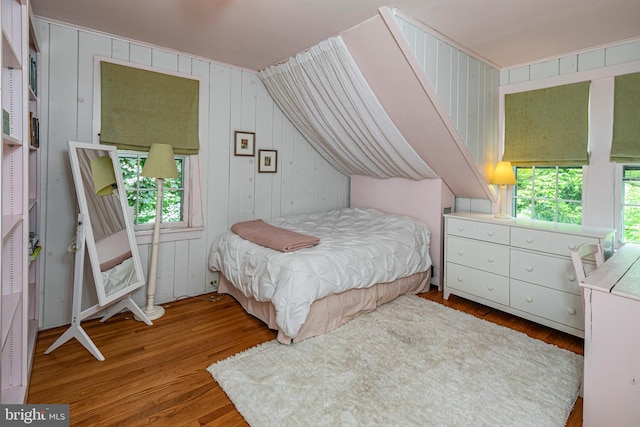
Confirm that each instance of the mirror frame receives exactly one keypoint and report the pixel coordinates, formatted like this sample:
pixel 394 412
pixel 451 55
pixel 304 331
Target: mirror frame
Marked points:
pixel 112 151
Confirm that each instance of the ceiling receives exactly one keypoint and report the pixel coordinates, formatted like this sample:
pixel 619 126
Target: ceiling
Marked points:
pixel 255 34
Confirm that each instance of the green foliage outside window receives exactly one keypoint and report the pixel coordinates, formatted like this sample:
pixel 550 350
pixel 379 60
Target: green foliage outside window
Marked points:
pixel 142 191
pixel 549 194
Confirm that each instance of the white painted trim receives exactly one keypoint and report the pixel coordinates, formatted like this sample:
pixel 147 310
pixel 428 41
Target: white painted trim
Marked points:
pixel 579 76
pixel 575 52
pixel 145 237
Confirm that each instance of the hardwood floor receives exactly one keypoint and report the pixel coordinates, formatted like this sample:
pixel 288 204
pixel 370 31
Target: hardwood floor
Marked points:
pixel 156 375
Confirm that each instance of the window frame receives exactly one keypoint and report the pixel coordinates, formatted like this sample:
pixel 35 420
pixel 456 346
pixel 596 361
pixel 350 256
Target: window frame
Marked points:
pixel 620 201
pixel 556 200
pixel 185 192
pixel 193 226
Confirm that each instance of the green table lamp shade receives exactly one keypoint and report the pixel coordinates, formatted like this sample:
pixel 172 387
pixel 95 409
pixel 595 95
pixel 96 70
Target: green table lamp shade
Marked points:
pixel 104 177
pixel 160 162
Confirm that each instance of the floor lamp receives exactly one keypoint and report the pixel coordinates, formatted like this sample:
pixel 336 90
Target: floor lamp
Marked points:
pixel 503 176
pixel 160 164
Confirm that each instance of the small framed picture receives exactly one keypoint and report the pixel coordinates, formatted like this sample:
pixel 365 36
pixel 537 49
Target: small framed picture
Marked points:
pixel 268 161
pixel 245 143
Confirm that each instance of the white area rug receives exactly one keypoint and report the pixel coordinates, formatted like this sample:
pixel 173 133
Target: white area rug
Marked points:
pixel 412 362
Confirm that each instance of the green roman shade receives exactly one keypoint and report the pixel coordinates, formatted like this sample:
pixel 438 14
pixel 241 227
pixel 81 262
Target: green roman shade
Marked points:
pixel 547 127
pixel 625 147
pixel 141 107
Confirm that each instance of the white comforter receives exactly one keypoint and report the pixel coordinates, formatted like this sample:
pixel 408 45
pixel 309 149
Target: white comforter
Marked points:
pixel 358 248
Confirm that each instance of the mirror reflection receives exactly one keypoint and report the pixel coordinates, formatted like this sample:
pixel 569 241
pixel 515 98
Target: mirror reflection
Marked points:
pixel 107 216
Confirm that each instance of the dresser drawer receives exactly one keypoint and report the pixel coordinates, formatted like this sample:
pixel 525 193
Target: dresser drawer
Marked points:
pixel 563 244
pixel 527 238
pixel 549 271
pixel 477 254
pixel 493 233
pixel 485 231
pixel 485 285
pixel 560 307
pixel 459 227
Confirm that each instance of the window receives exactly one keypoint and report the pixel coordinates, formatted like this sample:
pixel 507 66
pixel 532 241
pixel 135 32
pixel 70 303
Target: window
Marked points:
pixel 142 192
pixel 549 194
pixel 631 204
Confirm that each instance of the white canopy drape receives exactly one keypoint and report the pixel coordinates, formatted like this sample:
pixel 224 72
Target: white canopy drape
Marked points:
pixel 323 92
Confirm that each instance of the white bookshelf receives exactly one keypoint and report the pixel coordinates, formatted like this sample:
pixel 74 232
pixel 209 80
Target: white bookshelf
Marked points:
pixel 20 202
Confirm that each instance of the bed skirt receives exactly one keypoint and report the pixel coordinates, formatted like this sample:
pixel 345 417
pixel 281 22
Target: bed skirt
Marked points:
pixel 332 311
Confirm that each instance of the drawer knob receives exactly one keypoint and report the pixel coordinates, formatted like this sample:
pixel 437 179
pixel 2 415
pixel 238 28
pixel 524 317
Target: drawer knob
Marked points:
pixel 460 279
pixel 460 228
pixel 529 268
pixel 529 299
pixel 489 233
pixel 489 287
pixel 572 246
pixel 460 252
pixel 490 259
pixel 571 311
pixel 571 278
pixel 529 240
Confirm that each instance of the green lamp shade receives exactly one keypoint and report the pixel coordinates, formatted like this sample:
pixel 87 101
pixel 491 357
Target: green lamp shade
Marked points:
pixel 104 177
pixel 160 162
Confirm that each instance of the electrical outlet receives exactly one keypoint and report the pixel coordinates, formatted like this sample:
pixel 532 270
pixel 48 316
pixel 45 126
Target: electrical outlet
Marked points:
pixel 212 285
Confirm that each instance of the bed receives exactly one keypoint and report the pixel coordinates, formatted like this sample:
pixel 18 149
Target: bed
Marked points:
pixel 362 259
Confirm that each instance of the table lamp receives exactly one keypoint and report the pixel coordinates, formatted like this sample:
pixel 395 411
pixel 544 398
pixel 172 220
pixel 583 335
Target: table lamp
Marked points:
pixel 503 176
pixel 104 176
pixel 160 164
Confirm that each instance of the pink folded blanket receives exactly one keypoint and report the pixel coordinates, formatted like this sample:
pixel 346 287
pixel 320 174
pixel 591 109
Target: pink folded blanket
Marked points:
pixel 280 239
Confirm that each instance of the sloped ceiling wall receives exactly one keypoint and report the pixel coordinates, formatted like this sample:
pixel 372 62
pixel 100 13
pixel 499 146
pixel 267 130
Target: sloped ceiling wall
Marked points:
pixel 402 86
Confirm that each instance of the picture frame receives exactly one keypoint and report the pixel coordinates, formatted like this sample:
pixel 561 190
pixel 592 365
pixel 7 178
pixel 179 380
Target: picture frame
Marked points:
pixel 244 143
pixel 268 161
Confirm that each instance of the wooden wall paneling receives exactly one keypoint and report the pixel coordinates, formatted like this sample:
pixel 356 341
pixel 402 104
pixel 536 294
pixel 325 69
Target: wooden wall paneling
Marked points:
pixel 320 188
pixel 473 100
pixel 591 60
pixel 622 53
pixel 443 79
pixel 288 177
pixel 139 54
pixel 454 86
pixel 277 120
pixel 60 194
pixel 236 189
pixel 264 182
pixel 220 152
pixel 463 96
pixel 197 278
pixel 300 171
pixel 119 49
pixel 88 46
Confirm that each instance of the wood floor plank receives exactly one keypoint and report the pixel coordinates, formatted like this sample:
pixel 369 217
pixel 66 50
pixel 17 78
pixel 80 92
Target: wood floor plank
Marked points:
pixel 156 375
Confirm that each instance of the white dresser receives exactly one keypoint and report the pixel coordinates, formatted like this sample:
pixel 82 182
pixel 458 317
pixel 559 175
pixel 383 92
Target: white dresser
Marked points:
pixel 520 266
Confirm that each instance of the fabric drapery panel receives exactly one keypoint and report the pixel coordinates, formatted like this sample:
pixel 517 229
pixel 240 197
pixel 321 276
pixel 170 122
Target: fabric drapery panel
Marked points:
pixel 548 127
pixel 141 107
pixel 625 147
pixel 325 95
